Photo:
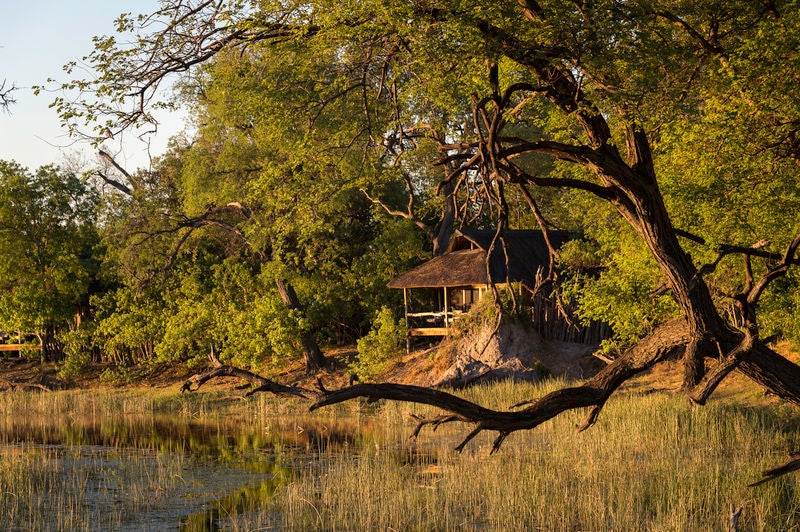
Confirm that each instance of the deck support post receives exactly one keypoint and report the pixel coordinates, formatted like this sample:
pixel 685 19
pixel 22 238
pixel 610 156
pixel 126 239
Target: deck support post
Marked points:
pixel 405 314
pixel 446 320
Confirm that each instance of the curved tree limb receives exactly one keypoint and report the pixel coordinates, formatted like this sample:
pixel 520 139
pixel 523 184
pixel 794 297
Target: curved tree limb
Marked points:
pixel 661 344
pixel 792 464
pixel 408 214
pixel 262 384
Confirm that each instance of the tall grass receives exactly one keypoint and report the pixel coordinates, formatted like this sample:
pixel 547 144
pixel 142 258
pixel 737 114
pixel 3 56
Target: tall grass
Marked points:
pixel 103 460
pixel 46 488
pixel 651 463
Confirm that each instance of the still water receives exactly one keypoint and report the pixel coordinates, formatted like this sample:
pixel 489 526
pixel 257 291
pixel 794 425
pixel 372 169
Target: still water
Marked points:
pixel 107 467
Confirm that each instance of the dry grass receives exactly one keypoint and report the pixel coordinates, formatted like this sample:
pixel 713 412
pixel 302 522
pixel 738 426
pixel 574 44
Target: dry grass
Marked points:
pixel 653 462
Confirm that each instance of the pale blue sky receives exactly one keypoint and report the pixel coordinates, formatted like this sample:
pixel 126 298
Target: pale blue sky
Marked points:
pixel 37 37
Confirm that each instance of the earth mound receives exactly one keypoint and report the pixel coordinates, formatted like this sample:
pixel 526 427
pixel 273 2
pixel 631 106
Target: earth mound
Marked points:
pixel 486 352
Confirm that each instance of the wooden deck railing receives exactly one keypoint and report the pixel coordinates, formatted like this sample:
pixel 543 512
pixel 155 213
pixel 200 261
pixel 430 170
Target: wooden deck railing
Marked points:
pixel 433 323
pixel 18 347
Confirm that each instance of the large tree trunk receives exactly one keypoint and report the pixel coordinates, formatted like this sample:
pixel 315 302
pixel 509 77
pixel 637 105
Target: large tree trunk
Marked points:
pixel 630 185
pixel 709 333
pixel 312 354
pixel 51 349
pixel 444 228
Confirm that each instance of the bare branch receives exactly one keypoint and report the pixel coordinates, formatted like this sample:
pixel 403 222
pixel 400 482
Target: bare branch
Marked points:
pixel 658 346
pixel 775 272
pixel 261 384
pixel 723 250
pixel 713 378
pixel 125 189
pixel 792 464
pixel 707 44
pixel 6 98
pixel 600 191
pixel 114 183
pixel 408 214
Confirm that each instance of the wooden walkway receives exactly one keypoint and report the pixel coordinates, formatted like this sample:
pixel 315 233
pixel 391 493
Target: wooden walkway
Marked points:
pixel 17 347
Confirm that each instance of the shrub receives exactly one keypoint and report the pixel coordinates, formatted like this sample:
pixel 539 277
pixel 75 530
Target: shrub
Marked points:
pixel 383 343
pixel 78 352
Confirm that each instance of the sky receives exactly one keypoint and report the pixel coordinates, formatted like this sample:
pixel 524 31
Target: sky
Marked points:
pixel 37 37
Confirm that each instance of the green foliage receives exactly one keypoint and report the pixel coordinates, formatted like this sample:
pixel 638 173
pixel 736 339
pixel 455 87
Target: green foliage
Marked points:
pixel 129 323
pixel 47 237
pixel 780 309
pixel 78 347
pixel 382 344
pixel 306 219
pixel 121 375
pixel 307 105
pixel 613 278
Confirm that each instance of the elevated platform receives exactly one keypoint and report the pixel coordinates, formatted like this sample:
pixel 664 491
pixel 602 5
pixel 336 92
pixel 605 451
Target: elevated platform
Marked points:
pixel 429 331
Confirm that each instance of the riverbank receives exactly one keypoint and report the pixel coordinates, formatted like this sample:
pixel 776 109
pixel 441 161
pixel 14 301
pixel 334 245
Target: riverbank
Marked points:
pixel 421 368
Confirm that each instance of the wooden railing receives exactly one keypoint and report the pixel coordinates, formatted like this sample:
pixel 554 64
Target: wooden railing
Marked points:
pixel 18 347
pixel 433 323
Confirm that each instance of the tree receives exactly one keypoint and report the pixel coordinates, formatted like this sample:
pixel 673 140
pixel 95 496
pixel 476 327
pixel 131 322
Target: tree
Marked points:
pixel 183 249
pixel 174 285
pixel 676 124
pixel 47 235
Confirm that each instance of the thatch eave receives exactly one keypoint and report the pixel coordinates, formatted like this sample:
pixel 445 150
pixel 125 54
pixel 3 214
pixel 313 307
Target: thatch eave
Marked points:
pixel 458 268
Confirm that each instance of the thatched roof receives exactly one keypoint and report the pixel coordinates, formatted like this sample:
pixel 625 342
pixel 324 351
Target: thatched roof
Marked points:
pixel 464 263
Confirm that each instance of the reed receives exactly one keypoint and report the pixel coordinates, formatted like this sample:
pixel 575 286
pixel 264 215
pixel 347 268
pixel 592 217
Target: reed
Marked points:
pixel 48 488
pixel 652 463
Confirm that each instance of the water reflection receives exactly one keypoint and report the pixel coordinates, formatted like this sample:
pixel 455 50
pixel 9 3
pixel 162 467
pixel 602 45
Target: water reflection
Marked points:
pixel 242 501
pixel 135 471
pixel 205 439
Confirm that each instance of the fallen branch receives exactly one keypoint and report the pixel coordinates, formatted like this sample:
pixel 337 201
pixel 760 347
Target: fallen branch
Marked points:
pixel 21 385
pixel 659 346
pixel 434 421
pixel 665 342
pixel 262 384
pixel 792 464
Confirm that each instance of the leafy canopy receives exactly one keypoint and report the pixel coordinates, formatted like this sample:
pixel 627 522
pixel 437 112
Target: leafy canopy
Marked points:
pixel 47 235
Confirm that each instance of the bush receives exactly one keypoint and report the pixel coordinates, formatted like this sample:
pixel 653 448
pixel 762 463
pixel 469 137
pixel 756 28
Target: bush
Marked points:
pixel 78 352
pixel 117 376
pixel 383 343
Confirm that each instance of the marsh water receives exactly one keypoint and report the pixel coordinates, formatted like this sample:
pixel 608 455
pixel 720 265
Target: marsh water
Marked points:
pixel 130 463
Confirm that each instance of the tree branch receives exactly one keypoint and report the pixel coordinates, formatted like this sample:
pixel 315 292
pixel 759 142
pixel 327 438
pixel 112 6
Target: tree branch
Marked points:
pixel 6 99
pixel 261 384
pixel 658 346
pixel 408 215
pixel 792 464
pixel 116 184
